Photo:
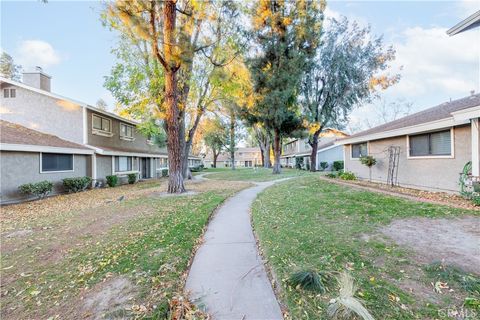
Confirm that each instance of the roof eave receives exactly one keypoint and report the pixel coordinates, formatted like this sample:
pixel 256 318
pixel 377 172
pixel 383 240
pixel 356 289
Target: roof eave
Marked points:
pixel 465 24
pixel 424 127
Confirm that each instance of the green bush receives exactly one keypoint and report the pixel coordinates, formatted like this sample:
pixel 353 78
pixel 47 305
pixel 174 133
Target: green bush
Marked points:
pixel 132 178
pixel 323 165
pixel 347 176
pixel 338 165
pixel 476 200
pixel 165 172
pixel 76 184
pixel 112 181
pixel 331 175
pixel 299 162
pixel 196 169
pixel 39 189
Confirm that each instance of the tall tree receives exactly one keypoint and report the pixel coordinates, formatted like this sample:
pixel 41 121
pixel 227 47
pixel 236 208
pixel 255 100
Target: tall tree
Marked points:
pixel 350 66
pixel 101 104
pixel 8 68
pixel 204 31
pixel 168 33
pixel 287 34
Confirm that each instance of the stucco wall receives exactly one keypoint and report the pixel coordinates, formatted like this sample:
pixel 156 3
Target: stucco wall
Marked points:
pixel 437 174
pixel 330 155
pixel 138 145
pixel 18 168
pixel 104 167
pixel 42 113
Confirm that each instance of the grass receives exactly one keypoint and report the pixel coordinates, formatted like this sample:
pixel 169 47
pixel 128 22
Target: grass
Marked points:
pixel 310 224
pixel 251 174
pixel 147 239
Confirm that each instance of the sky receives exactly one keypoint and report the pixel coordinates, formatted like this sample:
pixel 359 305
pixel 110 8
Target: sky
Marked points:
pixel 67 39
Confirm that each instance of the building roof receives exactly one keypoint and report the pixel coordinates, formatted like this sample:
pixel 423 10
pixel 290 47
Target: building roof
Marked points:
pixel 241 154
pixel 59 97
pixel 437 117
pixel 471 22
pixel 14 136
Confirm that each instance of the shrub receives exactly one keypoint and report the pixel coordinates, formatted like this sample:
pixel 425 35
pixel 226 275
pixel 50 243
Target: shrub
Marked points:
pixel 338 165
pixel 76 184
pixel 331 175
pixel 368 161
pixel 132 178
pixel 476 200
pixel 112 181
pixel 165 172
pixel 196 169
pixel 39 189
pixel 347 176
pixel 323 165
pixel 299 162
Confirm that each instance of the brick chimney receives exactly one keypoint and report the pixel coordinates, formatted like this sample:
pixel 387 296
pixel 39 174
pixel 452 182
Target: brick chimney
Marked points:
pixel 37 79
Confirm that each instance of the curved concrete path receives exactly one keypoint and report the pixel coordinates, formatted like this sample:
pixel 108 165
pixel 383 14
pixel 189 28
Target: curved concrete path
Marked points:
pixel 227 278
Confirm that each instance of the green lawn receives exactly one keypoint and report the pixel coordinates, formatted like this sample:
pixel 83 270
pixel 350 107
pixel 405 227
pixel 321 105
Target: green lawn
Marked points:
pixel 68 253
pixel 250 174
pixel 309 224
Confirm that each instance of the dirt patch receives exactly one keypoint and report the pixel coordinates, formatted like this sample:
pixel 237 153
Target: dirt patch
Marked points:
pixel 454 241
pixel 112 295
pixel 166 194
pixel 19 233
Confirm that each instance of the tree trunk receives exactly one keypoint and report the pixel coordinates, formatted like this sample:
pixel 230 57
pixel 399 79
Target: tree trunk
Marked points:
pixel 277 151
pixel 313 155
pixel 175 176
pixel 266 156
pixel 215 156
pixel 232 139
pixel 263 157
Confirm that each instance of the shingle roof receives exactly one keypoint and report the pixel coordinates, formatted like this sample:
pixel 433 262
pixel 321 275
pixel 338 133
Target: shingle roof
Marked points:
pixel 439 112
pixel 11 133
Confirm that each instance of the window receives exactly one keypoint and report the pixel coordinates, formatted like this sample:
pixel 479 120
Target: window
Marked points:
pixel 359 150
pixel 431 144
pixel 54 162
pixel 126 131
pixel 101 124
pixel 123 164
pixel 6 93
pixel 13 93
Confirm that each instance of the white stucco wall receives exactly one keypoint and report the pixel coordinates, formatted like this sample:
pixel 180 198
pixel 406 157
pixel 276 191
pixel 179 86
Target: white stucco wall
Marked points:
pixel 42 113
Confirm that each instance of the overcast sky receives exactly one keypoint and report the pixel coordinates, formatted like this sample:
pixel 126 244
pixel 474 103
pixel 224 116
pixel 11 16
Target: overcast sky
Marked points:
pixel 67 39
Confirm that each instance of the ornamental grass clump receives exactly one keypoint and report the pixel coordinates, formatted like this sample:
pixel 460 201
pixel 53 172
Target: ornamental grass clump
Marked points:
pixel 345 305
pixel 309 280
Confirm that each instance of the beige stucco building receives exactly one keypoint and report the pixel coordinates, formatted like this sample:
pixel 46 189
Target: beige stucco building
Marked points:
pixel 110 144
pixel 327 151
pixel 425 150
pixel 244 157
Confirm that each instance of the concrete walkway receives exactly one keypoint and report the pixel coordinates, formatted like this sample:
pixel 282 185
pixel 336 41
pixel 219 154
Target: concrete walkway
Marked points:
pixel 227 278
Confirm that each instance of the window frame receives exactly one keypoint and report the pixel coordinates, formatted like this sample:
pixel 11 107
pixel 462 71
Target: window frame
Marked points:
pixel 432 156
pixel 6 93
pixel 114 165
pixel 14 91
pixel 123 137
pixel 57 171
pixel 100 131
pixel 351 150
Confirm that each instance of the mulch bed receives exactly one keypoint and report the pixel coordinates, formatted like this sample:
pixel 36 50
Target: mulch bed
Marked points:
pixel 442 198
